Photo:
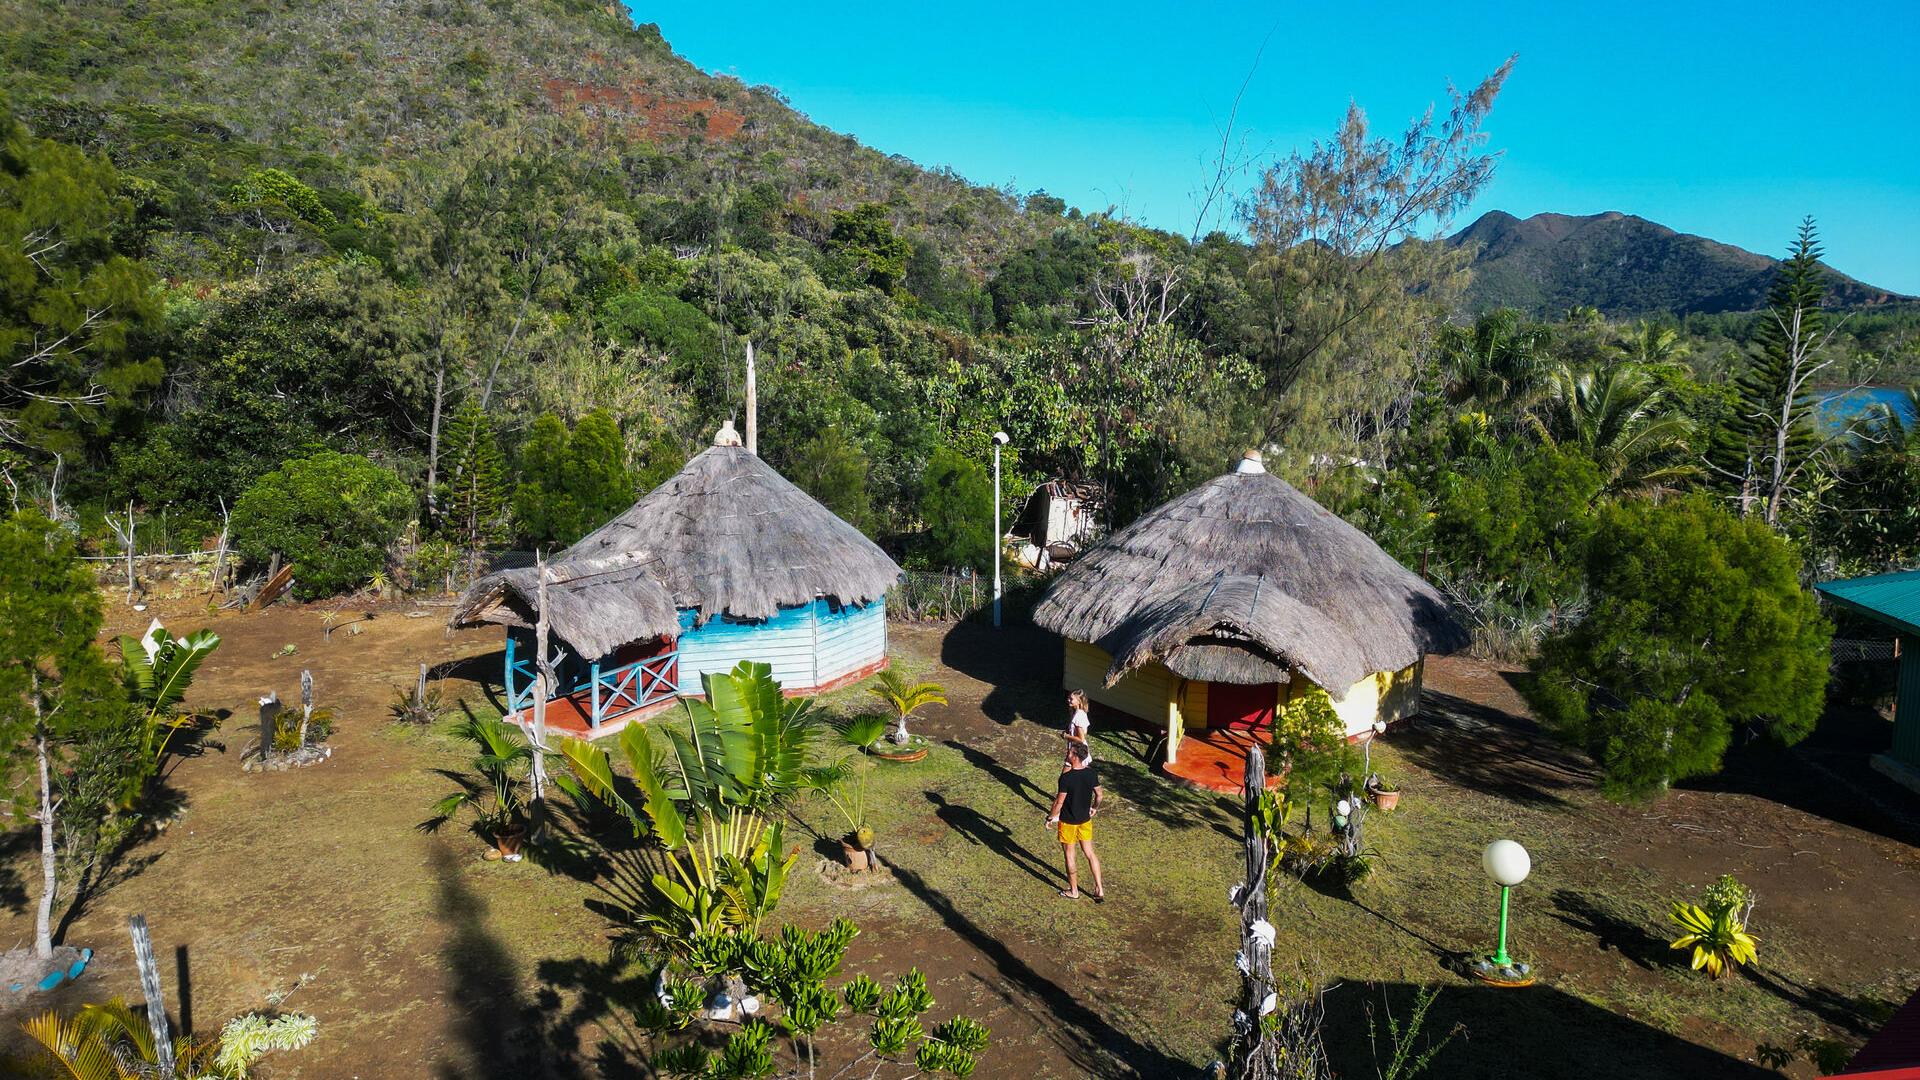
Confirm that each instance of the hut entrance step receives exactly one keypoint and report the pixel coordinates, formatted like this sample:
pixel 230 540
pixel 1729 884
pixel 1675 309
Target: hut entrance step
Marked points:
pixel 1241 707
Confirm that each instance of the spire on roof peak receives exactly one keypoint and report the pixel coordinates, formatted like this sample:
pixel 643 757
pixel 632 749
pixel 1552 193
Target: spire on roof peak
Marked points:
pixel 1250 463
pixel 726 436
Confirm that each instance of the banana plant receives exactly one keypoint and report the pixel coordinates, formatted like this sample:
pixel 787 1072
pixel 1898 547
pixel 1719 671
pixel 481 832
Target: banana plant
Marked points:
pixel 158 669
pixel 730 758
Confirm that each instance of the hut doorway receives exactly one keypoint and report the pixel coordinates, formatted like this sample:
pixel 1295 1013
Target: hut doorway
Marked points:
pixel 1241 707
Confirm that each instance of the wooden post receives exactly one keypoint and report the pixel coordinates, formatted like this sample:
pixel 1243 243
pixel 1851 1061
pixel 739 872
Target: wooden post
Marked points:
pixel 269 714
pixel 220 552
pixel 420 688
pixel 1253 1053
pixel 306 705
pixel 753 405
pixel 542 682
pixel 150 986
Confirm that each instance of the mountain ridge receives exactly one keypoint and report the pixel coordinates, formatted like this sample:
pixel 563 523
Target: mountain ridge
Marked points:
pixel 1626 266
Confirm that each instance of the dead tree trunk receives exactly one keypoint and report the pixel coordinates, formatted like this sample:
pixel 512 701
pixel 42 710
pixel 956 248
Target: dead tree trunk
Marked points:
pixel 753 405
pixel 49 880
pixel 433 437
pixel 150 988
pixel 306 706
pixel 543 682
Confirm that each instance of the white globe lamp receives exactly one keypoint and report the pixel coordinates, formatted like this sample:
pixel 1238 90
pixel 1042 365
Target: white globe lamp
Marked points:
pixel 1508 864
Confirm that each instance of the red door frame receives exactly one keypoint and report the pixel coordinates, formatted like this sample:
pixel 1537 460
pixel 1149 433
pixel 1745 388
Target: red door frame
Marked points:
pixel 1241 707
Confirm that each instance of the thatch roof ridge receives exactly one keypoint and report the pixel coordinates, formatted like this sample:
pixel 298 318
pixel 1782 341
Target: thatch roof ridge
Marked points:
pixel 1247 560
pixel 725 535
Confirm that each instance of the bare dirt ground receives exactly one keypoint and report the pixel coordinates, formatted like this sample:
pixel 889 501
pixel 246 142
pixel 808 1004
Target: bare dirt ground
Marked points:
pixel 423 960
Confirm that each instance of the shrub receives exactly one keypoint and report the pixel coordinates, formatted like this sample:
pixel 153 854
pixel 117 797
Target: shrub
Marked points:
pixel 331 515
pixel 956 503
pixel 1699 623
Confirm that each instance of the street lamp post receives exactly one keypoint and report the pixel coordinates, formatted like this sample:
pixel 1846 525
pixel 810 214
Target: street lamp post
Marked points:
pixel 999 440
pixel 1508 864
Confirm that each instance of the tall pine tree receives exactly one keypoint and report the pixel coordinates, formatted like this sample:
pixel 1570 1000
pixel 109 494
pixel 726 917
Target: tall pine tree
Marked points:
pixel 1768 442
pixel 473 477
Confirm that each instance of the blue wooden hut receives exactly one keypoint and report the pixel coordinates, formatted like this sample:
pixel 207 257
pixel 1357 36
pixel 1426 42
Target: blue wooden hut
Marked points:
pixel 726 561
pixel 1893 600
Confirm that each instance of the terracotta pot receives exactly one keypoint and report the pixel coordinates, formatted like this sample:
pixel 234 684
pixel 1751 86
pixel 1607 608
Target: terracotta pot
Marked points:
pixel 1386 800
pixel 509 839
pixel 855 854
pixel 885 753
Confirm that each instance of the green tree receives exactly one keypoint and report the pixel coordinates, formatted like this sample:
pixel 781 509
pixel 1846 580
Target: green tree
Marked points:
pixel 1868 521
pixel 834 469
pixel 331 515
pixel 956 505
pixel 865 249
pixel 57 691
pixel 571 483
pixel 1766 445
pixel 1624 418
pixel 1699 625
pixel 73 300
pixel 1500 361
pixel 474 499
pixel 1349 277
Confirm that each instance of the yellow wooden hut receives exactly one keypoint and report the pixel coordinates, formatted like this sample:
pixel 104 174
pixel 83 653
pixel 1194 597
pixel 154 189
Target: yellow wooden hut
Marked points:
pixel 1211 611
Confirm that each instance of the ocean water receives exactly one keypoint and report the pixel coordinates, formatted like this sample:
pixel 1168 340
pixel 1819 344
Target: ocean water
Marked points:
pixel 1839 406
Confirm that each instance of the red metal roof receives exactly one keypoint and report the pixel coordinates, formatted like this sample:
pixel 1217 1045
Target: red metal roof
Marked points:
pixel 1893 1053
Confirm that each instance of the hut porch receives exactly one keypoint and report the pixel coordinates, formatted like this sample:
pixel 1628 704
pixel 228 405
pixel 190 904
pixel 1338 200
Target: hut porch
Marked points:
pixel 1215 759
pixel 593 694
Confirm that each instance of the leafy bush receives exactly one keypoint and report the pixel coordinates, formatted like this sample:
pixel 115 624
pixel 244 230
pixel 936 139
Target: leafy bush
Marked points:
pixel 331 515
pixel 1699 623
pixel 956 503
pixel 571 483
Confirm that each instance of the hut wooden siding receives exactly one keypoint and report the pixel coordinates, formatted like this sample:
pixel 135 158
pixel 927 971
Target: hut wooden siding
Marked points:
pixel 785 642
pixel 852 638
pixel 1145 693
pixel 809 647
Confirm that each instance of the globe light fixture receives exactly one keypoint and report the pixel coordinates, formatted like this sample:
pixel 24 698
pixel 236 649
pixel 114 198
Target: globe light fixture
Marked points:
pixel 1508 864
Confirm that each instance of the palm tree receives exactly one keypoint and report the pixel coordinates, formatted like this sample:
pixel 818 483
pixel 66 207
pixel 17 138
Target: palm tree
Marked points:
pixel 1622 416
pixel 905 699
pixel 1500 359
pixel 1652 343
pixel 109 1042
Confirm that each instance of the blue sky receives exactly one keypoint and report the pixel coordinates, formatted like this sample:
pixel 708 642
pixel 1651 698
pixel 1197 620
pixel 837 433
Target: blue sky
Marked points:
pixel 1728 121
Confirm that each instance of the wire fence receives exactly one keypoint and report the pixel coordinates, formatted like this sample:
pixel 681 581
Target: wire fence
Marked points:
pixel 1853 650
pixel 924 596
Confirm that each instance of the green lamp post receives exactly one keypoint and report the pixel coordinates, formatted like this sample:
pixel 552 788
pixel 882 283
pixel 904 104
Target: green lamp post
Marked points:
pixel 1508 864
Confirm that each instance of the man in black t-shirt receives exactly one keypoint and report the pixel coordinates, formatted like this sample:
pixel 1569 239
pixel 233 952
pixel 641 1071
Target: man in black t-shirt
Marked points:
pixel 1074 805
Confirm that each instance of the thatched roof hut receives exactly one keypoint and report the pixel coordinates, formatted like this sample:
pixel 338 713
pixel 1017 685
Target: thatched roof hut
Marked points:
pixel 725 538
pixel 1245 581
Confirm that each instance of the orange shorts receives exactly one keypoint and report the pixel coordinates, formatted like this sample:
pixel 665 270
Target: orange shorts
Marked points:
pixel 1070 834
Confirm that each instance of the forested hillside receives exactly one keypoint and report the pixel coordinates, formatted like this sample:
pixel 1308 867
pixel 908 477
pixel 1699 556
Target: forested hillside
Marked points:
pixel 1625 266
pixel 499 265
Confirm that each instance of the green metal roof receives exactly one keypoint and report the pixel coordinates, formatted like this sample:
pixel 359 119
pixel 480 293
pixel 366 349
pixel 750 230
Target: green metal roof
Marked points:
pixel 1893 599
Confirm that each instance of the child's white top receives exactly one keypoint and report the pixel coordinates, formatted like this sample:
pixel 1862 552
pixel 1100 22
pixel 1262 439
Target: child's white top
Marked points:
pixel 1081 727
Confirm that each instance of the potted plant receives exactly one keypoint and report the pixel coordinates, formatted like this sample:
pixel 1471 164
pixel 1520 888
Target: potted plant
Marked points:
pixel 493 788
pixel 1385 793
pixel 905 699
pixel 845 785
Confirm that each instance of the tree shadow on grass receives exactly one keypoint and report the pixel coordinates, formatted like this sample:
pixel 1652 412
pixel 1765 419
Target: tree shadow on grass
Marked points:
pixel 1095 1044
pixel 1614 932
pixel 1035 795
pixel 1489 750
pixel 1859 1015
pixel 503 1036
pixel 1006 660
pixel 484 672
pixel 996 837
pixel 1134 781
pixel 1516 1034
pixel 1830 775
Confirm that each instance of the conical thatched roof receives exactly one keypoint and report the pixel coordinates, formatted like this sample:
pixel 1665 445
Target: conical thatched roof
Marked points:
pixel 726 534
pixel 1246 580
